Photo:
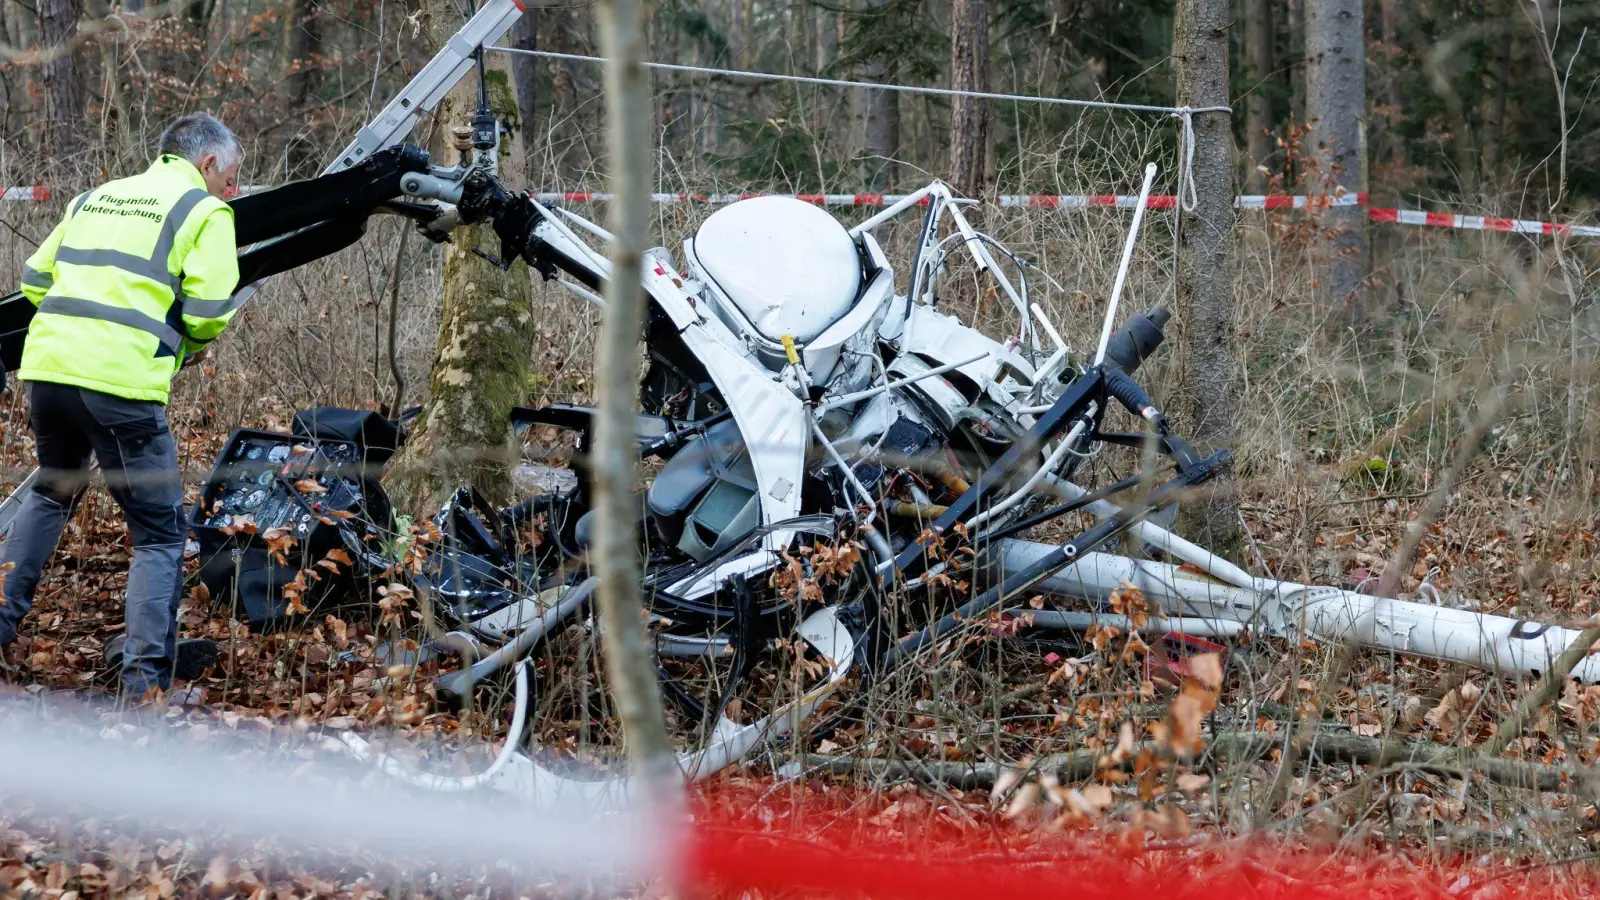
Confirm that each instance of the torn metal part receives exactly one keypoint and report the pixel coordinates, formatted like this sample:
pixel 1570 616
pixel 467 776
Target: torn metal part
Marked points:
pixel 530 478
pixel 456 688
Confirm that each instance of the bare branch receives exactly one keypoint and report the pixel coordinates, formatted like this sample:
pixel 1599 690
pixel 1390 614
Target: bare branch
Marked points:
pixel 113 26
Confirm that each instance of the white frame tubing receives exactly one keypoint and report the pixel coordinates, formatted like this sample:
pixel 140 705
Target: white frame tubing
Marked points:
pixel 1287 609
pixel 1127 260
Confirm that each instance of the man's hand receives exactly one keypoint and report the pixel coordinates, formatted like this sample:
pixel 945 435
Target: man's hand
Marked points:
pixel 193 358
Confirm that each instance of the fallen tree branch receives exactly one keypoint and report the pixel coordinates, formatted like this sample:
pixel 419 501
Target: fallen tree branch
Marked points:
pixel 1230 747
pixel 1449 762
pixel 1542 693
pixel 1026 692
pixel 966 776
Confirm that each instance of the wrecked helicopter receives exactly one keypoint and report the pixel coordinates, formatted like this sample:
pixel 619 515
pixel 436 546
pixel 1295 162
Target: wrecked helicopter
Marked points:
pixel 823 436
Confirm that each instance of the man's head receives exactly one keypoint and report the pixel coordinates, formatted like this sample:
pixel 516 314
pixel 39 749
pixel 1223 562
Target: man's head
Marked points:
pixel 210 146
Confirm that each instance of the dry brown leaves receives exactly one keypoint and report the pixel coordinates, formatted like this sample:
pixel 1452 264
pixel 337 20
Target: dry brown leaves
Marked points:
pixel 279 542
pixel 1180 731
pixel 1454 709
pixel 804 572
pixel 393 600
pixel 1129 601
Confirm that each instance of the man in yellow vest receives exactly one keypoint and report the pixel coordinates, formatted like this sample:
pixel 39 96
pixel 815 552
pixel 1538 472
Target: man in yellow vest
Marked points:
pixel 138 278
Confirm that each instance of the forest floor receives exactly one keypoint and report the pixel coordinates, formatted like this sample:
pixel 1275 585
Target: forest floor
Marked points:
pixel 1150 778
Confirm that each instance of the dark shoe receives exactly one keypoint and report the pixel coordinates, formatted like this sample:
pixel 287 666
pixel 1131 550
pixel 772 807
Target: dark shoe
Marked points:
pixel 11 672
pixel 193 656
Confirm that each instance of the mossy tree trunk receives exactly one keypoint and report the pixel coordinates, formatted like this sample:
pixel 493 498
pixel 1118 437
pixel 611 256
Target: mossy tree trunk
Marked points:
pixel 486 324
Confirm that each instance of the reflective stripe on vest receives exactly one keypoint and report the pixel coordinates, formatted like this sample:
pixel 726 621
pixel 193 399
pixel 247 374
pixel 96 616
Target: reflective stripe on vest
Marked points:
pixel 105 312
pixel 34 278
pixel 212 309
pixel 216 309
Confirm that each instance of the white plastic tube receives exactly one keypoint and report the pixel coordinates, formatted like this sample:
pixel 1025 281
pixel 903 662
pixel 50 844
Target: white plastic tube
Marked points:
pixel 1156 536
pixel 1062 620
pixel 900 206
pixel 1127 260
pixel 1496 643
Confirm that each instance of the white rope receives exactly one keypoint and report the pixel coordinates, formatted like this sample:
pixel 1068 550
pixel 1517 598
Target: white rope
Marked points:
pixel 1187 197
pixel 1181 112
pixel 1186 192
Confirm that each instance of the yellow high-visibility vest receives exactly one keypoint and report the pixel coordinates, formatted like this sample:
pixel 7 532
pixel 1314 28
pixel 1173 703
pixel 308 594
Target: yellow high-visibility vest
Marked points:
pixel 139 274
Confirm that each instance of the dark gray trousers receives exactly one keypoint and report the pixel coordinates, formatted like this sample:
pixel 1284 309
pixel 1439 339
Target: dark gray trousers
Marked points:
pixel 139 459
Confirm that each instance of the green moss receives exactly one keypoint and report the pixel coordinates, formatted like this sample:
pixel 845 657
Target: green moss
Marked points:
pixel 503 98
pixel 1378 473
pixel 480 372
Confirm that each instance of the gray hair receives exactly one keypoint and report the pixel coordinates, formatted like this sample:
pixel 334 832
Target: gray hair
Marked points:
pixel 198 135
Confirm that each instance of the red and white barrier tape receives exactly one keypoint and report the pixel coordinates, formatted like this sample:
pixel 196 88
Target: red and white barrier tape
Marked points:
pixel 1037 201
pixel 1072 201
pixel 1156 201
pixel 1478 223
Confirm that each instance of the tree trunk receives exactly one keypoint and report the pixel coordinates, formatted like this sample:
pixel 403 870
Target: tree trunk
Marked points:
pixel 196 21
pixel 1494 103
pixel 290 11
pixel 708 120
pixel 486 323
pixel 16 20
pixel 969 117
pixel 738 34
pixel 717 139
pixel 795 22
pixel 880 111
pixel 615 457
pixel 305 79
pixel 12 31
pixel 1296 74
pixel 1393 67
pixel 880 125
pixel 674 104
pixel 564 128
pixel 1258 123
pixel 525 72
pixel 63 93
pixel 5 88
pixel 822 34
pixel 1336 96
pixel 1205 266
